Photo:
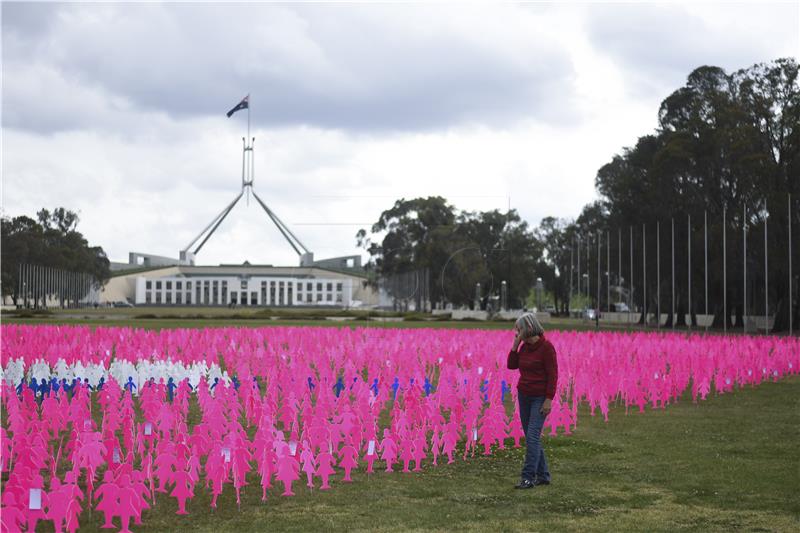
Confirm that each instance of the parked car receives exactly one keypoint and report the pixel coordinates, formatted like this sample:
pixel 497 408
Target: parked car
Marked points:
pixel 589 314
pixel 550 309
pixel 122 303
pixel 621 307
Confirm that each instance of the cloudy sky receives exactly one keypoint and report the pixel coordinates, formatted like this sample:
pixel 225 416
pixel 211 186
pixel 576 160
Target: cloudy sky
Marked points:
pixel 117 111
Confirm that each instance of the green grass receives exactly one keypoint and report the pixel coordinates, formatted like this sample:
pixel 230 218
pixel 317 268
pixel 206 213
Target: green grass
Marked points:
pixel 729 463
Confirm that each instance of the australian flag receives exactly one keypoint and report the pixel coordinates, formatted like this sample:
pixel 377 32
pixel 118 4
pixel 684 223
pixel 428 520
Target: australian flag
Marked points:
pixel 244 104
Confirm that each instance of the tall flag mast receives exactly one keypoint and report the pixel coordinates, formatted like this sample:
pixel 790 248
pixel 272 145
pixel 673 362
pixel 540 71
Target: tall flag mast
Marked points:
pixel 248 174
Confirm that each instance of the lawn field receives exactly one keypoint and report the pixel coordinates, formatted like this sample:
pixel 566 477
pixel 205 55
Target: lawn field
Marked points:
pixel 729 463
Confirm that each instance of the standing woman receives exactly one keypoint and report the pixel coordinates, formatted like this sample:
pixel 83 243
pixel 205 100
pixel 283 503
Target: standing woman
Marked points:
pixel 538 368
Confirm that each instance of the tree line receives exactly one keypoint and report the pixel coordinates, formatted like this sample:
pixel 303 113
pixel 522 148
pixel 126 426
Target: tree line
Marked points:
pixel 726 150
pixel 51 240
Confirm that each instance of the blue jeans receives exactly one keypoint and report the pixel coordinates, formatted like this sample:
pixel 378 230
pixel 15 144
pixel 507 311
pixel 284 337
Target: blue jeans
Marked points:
pixel 535 465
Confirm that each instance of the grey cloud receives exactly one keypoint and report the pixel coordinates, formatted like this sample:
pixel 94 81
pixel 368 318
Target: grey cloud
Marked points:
pixel 341 67
pixel 657 46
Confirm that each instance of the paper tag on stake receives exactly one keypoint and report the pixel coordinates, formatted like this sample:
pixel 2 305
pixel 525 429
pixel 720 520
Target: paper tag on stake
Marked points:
pixel 115 456
pixel 148 428
pixel 371 448
pixel 227 453
pixel 474 433
pixel 480 370
pixel 292 447
pixel 35 499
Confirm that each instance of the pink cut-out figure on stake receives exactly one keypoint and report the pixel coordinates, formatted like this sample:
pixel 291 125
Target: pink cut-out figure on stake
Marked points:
pixel 388 450
pixel 127 503
pixel 348 459
pixel 288 469
pixel 370 454
pixel 406 452
pixel 307 458
pixel 184 489
pixel 449 440
pixel 12 519
pixel 418 449
pixel 325 463
pixel 435 445
pixel 108 499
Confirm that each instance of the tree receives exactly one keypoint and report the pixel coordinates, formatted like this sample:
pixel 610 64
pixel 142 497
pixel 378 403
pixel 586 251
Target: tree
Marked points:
pixel 50 241
pixel 459 249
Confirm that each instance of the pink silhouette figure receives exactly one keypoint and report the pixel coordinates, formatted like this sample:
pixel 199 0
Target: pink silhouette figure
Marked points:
pixel 325 464
pixel 288 469
pixel 184 489
pixel 307 458
pixel 108 499
pixel 388 450
pixel 348 459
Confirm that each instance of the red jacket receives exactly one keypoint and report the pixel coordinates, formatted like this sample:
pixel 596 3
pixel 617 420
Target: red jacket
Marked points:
pixel 537 366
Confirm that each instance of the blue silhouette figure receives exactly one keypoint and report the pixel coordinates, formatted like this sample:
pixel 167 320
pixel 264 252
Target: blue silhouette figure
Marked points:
pixel 171 388
pixel 374 386
pixel 236 383
pixel 310 384
pixel 216 382
pixel 338 387
pixel 101 383
pixel 395 386
pixel 428 387
pixel 130 385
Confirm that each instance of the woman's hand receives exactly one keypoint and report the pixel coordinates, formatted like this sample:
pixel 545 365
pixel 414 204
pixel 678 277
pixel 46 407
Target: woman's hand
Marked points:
pixel 517 340
pixel 546 406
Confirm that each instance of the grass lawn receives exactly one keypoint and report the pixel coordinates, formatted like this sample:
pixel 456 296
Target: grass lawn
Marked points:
pixel 729 463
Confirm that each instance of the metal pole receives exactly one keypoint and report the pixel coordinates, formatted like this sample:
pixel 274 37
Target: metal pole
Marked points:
pixel 672 222
pixel 744 267
pixel 766 271
pixel 705 264
pixel 791 295
pixel 599 238
pixel 630 282
pixel 619 261
pixel 724 272
pixel 571 272
pixel 658 275
pixel 689 265
pixel 644 274
pixel 579 266
pixel 608 271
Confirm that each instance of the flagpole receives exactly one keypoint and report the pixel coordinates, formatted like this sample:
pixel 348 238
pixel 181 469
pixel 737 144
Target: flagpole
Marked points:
pixel 248 116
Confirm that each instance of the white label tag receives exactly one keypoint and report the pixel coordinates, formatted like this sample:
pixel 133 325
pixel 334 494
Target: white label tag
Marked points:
pixel 292 447
pixel 440 360
pixel 35 499
pixel 480 370
pixel 115 456
pixel 148 428
pixel 474 433
pixel 371 448
pixel 226 452
pixel 330 448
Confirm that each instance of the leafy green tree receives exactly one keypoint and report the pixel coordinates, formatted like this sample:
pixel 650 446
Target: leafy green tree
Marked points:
pixel 50 241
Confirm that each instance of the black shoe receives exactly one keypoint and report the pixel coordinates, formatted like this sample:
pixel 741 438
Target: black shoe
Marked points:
pixel 538 482
pixel 525 484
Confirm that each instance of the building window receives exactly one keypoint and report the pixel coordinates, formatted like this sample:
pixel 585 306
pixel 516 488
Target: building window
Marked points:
pixel 188 298
pixel 309 286
pixel 148 285
pixel 179 285
pixel 188 285
pixel 169 285
pixel 158 285
pixel 158 297
pixel 319 287
pixel 254 298
pixel 169 298
pixel 308 297
pixel 179 298
pixel 244 284
pixel 329 297
pixel 148 297
pixel 330 287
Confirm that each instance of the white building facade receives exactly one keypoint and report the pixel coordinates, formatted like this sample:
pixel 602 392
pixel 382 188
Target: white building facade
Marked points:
pixel 251 290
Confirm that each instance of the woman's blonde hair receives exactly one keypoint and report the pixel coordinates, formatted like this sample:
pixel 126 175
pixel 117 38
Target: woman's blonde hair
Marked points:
pixel 529 326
